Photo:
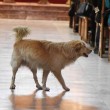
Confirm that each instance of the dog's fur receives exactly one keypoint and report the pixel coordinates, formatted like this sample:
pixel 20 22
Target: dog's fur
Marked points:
pixel 47 55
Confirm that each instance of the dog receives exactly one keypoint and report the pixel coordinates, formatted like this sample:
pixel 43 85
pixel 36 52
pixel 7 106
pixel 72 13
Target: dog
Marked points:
pixel 50 56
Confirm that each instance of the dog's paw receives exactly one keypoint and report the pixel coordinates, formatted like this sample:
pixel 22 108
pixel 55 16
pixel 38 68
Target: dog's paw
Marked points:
pixel 46 89
pixel 67 89
pixel 12 87
pixel 39 87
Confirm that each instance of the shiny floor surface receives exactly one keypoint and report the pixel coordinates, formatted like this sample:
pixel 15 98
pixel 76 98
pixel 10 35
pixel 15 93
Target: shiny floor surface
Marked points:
pixel 88 78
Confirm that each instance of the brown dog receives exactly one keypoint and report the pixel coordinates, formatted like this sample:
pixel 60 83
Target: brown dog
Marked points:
pixel 47 55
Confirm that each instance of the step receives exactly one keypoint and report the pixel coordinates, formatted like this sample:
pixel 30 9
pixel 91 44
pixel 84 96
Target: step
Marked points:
pixel 34 11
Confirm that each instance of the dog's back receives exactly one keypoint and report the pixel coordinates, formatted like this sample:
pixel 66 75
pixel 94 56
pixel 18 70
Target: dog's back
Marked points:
pixel 43 54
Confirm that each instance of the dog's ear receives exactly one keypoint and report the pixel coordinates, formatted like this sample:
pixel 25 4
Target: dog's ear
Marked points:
pixel 70 48
pixel 67 52
pixel 78 46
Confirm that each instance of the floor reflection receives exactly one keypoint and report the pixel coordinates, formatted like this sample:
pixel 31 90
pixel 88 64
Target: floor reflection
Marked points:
pixel 32 102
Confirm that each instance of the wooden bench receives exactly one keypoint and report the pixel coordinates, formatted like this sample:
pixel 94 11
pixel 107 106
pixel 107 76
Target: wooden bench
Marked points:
pixel 102 35
pixel 83 28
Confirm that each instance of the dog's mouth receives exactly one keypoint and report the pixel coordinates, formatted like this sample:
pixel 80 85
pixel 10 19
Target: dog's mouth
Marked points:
pixel 85 54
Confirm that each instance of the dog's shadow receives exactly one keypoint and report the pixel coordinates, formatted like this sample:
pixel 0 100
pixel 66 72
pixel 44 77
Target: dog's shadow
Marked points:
pixel 45 102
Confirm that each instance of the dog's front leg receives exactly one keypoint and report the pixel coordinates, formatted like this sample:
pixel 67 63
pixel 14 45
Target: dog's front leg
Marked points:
pixel 44 80
pixel 60 79
pixel 34 71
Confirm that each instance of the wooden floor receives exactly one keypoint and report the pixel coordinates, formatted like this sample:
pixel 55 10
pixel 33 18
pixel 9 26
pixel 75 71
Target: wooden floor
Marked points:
pixel 88 78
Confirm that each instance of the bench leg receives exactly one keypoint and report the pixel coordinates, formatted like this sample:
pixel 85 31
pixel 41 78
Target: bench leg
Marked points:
pixel 109 46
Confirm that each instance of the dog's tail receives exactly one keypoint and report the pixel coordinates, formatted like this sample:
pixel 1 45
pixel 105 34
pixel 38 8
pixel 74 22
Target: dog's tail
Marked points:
pixel 21 32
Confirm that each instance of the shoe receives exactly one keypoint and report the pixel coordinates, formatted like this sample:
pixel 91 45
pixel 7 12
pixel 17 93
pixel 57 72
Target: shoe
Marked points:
pixel 96 50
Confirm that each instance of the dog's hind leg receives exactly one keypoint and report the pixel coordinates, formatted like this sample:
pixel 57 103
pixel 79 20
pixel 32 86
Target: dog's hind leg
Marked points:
pixel 13 78
pixel 44 79
pixel 34 71
pixel 60 79
pixel 15 65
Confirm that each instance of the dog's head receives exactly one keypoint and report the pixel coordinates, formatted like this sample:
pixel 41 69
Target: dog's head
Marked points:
pixel 82 49
pixel 75 49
